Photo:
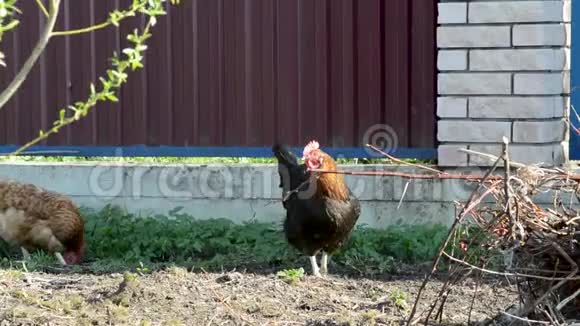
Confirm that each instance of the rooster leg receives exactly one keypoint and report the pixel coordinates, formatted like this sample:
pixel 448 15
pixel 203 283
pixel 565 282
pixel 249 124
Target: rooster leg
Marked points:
pixel 315 269
pixel 25 253
pixel 324 263
pixel 60 259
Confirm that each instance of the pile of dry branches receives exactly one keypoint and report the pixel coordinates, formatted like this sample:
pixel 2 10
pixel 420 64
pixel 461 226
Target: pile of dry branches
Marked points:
pixel 502 230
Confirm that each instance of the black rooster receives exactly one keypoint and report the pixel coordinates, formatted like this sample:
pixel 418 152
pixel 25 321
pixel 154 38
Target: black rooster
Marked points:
pixel 321 211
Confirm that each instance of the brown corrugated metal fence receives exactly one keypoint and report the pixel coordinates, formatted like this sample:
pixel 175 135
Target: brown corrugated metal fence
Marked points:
pixel 236 73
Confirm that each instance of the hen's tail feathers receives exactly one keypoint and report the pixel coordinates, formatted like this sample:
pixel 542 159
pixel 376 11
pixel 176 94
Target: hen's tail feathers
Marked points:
pixel 284 155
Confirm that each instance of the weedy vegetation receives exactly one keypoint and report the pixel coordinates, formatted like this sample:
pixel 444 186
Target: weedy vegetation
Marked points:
pixel 291 276
pixel 399 299
pixel 119 241
pixel 177 270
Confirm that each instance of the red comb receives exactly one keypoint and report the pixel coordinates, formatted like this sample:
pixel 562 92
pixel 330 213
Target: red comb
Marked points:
pixel 312 145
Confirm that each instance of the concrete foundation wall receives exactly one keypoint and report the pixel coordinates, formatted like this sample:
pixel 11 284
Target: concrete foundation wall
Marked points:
pixel 239 192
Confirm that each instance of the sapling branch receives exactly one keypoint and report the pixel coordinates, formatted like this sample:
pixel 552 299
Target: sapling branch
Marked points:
pixel 42 8
pixel 7 94
pixel 7 21
pixel 132 59
pixel 115 78
pixel 115 17
pixel 150 8
pixel 7 11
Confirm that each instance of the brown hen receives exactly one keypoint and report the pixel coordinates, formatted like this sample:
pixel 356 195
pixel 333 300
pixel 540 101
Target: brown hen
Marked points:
pixel 34 218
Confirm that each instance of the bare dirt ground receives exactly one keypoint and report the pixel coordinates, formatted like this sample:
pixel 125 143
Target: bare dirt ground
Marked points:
pixel 178 297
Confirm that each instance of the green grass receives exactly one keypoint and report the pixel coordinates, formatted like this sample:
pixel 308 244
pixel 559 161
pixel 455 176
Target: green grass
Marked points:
pixel 399 298
pixel 183 160
pixel 291 276
pixel 117 241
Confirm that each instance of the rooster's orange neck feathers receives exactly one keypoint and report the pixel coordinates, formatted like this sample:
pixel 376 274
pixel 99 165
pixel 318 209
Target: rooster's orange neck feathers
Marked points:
pixel 331 185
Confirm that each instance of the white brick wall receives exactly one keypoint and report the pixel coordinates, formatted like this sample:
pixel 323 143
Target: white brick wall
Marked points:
pixel 473 36
pixel 539 35
pixel 452 60
pixel 472 131
pixel 516 11
pixel 538 131
pixel 517 59
pixel 452 13
pixel 515 107
pixel 474 83
pixel 452 107
pixel 541 83
pixel 529 154
pixel 503 71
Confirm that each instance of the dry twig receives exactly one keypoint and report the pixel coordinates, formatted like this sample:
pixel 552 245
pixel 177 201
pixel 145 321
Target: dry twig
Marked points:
pixel 541 241
pixel 531 237
pixel 457 221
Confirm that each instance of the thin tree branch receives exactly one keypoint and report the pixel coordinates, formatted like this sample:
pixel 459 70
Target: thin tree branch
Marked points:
pixel 125 14
pixel 470 177
pixel 441 251
pixel 525 319
pixel 40 153
pixel 43 8
pixel 492 158
pixel 506 159
pixel 412 175
pixel 508 274
pixel 394 159
pixel 95 97
pixel 7 94
pixel 82 30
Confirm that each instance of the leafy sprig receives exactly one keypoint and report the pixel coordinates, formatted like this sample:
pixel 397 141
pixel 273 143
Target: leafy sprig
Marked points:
pixel 8 10
pixel 151 8
pixel 131 58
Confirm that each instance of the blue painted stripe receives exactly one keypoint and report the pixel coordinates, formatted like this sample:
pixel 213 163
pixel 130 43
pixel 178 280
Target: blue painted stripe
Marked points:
pixel 575 81
pixel 177 151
